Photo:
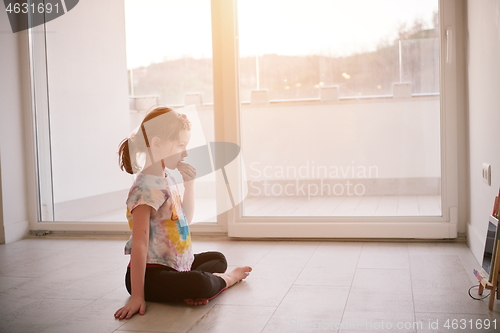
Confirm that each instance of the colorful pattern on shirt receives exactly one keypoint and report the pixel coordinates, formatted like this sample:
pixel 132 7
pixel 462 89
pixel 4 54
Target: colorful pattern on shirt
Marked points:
pixel 169 236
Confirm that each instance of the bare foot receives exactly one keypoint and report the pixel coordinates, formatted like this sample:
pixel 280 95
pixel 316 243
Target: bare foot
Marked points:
pixel 196 301
pixel 236 275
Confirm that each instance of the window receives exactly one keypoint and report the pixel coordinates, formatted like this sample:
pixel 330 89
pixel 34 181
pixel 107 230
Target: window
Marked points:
pixel 340 108
pixel 357 106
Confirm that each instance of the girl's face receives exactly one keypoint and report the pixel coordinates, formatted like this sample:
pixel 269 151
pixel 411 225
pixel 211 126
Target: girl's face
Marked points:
pixel 175 151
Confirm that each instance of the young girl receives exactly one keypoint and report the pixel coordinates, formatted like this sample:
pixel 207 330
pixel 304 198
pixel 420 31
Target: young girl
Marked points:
pixel 162 267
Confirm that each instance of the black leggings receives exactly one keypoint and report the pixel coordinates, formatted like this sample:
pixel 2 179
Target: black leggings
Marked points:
pixel 165 284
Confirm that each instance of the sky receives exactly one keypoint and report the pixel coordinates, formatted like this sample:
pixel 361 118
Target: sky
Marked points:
pixel 157 30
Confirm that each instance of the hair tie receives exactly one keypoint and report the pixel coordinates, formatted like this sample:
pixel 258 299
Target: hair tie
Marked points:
pixel 185 121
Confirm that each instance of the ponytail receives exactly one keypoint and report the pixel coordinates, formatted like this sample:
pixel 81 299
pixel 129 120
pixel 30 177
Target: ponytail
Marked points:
pixel 124 157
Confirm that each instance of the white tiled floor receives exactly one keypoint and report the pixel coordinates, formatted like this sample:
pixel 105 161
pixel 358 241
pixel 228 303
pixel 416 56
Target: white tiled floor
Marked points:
pixel 62 285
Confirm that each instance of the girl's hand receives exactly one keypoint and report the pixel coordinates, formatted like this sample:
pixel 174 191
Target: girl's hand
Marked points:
pixel 187 171
pixel 132 307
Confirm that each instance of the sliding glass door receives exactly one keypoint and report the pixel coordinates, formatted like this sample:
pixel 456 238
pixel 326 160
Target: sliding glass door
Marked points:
pixel 341 119
pixel 95 80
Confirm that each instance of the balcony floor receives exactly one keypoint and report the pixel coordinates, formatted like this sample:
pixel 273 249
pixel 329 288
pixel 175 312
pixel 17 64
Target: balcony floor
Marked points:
pixel 415 205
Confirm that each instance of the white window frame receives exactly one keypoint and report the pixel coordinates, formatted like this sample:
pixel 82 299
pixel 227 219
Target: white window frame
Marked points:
pixel 435 227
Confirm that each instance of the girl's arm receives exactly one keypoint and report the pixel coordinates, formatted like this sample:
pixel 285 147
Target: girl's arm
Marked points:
pixel 188 173
pixel 140 238
pixel 188 200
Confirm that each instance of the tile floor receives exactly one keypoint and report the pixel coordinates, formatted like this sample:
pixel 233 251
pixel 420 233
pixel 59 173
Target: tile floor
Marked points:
pixel 75 285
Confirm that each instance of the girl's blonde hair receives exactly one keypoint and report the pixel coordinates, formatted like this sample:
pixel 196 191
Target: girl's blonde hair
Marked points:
pixel 167 129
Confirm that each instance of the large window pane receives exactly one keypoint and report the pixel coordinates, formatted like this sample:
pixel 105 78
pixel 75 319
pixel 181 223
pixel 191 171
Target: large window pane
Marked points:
pixel 340 111
pixel 169 61
pixel 103 75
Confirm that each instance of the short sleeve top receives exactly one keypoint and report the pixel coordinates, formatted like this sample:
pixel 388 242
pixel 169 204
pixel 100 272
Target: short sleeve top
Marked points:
pixel 169 236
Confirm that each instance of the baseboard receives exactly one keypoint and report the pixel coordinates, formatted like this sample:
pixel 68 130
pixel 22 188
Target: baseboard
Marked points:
pixel 475 242
pixel 15 231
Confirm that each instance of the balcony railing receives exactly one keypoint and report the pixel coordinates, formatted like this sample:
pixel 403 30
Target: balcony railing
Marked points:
pixel 400 151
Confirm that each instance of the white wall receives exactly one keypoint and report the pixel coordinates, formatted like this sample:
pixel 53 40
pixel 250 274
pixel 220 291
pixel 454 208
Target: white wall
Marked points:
pixel 13 193
pixel 484 114
pixel 88 99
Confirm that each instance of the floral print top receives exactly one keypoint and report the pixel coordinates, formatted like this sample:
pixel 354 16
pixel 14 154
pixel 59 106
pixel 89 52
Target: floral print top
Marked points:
pixel 169 236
